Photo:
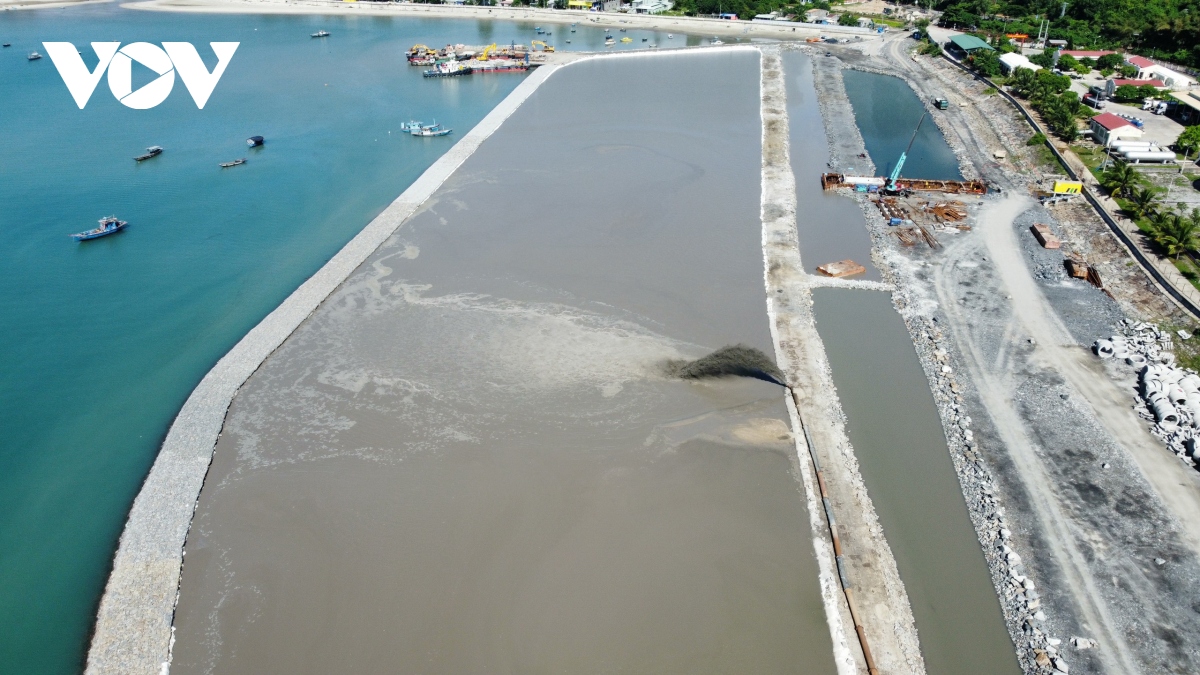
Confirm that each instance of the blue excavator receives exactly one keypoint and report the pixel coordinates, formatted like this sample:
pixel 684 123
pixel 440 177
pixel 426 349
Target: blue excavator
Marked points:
pixel 891 182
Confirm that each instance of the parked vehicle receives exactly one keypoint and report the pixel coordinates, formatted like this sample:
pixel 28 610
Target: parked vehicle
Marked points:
pixel 1094 101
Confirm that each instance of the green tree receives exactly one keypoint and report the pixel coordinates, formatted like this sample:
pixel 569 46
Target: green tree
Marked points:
pixel 1143 201
pixel 1023 81
pixel 986 62
pixel 1110 61
pixel 1128 71
pixel 1179 233
pixel 1067 62
pixel 1089 63
pixel 848 19
pixel 1127 93
pixel 1189 140
pixel 1120 178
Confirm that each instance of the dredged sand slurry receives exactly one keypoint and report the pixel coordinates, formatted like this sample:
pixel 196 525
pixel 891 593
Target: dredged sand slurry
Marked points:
pixel 689 530
pixel 133 627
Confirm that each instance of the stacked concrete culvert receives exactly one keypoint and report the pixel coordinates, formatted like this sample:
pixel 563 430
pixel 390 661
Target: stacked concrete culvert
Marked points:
pixel 1169 396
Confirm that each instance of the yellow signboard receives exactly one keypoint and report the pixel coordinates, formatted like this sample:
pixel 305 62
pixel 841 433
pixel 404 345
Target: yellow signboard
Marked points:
pixel 1067 187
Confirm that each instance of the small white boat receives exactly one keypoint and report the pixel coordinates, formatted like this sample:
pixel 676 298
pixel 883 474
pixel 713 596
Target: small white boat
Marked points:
pixel 34 56
pixel 717 41
pixel 670 37
pixel 321 33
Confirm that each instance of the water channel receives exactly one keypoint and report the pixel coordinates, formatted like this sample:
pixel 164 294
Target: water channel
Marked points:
pixel 892 421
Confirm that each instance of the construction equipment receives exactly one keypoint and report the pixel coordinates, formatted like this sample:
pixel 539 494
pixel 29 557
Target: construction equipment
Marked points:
pixel 545 47
pixel 891 184
pixel 487 50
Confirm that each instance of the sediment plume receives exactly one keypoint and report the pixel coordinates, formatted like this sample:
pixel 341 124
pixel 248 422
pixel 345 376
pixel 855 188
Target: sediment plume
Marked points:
pixel 731 360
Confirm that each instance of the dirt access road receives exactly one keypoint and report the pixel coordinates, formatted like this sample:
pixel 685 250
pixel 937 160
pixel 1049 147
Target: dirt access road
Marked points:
pixel 1097 501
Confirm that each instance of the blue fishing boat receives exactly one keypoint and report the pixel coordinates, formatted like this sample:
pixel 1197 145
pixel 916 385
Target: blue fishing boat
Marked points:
pixel 109 225
pixel 411 126
pixel 431 130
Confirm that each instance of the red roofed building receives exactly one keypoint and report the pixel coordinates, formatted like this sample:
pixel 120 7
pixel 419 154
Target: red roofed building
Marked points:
pixel 1139 61
pixel 1084 54
pixel 1111 85
pixel 1107 127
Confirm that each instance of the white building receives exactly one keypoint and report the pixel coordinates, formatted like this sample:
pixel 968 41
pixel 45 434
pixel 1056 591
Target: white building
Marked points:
pixel 1011 61
pixel 651 6
pixel 1149 70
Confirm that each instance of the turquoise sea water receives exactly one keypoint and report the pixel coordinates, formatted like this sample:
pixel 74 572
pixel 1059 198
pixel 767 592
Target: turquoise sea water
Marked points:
pixel 100 343
pixel 887 112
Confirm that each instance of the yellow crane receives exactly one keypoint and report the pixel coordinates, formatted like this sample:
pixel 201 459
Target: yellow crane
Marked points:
pixel 487 50
pixel 545 47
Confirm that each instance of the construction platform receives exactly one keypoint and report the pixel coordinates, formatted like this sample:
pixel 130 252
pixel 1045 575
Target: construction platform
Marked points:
pixel 830 181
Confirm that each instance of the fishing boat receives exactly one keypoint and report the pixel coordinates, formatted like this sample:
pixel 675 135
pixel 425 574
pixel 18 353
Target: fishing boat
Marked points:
pixel 670 37
pixel 717 41
pixel 109 225
pixel 432 130
pixel 236 162
pixel 645 39
pixel 410 126
pixel 152 151
pixel 7 44
pixel 34 56
pixel 609 40
pixel 626 39
pixel 448 69
pixel 255 141
pixel 321 33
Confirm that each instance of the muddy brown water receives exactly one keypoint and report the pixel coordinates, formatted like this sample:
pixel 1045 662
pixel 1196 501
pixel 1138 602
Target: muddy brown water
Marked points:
pixel 894 428
pixel 830 227
pixel 469 460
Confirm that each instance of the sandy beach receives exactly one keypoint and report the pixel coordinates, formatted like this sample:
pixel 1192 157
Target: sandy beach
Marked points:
pixel 681 24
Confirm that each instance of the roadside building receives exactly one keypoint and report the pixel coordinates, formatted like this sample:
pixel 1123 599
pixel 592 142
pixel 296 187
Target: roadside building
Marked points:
pixel 651 6
pixel 1148 70
pixel 866 22
pixel 1188 109
pixel 965 45
pixel 1107 127
pixel 1012 61
pixel 1085 54
pixel 816 15
pixel 1110 86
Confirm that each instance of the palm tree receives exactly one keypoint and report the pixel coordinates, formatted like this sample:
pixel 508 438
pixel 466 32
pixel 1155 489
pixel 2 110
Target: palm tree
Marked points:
pixel 1022 81
pixel 1120 178
pixel 1143 201
pixel 1179 235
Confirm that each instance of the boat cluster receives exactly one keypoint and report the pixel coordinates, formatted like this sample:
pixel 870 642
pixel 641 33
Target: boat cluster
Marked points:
pixel 112 225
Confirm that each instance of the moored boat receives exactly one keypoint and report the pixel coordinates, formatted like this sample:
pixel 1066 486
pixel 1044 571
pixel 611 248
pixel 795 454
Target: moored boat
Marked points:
pixel 152 151
pixel 434 129
pixel 321 33
pixel 34 56
pixel 236 162
pixel 7 44
pixel 255 141
pixel 108 225
pixel 448 69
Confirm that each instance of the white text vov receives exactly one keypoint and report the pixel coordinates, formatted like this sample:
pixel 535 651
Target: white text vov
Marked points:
pixel 171 58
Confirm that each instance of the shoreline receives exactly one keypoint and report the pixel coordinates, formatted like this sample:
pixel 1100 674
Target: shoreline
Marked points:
pixel 134 630
pixel 681 24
